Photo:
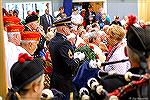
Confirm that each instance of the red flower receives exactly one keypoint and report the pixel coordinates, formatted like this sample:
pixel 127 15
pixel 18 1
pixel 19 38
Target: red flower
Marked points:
pixel 91 47
pixel 97 57
pixel 81 45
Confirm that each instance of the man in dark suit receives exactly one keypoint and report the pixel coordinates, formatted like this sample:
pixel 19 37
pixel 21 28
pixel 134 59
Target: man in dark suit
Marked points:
pixel 46 20
pixel 63 59
pixel 90 14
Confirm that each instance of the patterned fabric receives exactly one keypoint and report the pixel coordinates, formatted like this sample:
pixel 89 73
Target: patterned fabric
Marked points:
pixel 116 54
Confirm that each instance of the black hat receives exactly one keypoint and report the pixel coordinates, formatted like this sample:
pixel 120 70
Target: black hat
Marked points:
pixel 31 18
pixel 25 71
pixel 63 21
pixel 138 39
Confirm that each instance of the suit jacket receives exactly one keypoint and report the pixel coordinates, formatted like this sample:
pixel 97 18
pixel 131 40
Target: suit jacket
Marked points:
pixel 44 22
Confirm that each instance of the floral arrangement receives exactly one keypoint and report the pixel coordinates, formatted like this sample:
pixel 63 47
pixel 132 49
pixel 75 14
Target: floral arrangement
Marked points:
pixel 88 51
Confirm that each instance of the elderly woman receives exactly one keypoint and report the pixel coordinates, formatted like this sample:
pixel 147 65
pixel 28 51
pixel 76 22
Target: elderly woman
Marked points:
pixel 115 38
pixel 94 41
pixel 27 77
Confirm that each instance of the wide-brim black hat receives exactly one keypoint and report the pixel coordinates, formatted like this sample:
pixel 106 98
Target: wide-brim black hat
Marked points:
pixel 138 39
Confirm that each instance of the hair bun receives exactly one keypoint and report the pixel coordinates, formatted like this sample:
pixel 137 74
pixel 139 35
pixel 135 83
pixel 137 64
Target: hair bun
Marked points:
pixel 24 57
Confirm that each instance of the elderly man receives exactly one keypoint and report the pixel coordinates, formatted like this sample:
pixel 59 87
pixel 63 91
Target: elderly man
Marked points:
pixel 63 59
pixel 29 41
pixel 12 41
pixel 32 24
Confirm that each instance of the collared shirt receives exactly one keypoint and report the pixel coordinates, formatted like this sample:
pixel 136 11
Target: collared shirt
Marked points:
pixel 48 19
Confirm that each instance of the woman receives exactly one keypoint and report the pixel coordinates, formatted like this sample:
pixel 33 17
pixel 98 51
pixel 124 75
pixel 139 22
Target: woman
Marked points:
pixel 27 78
pixel 115 38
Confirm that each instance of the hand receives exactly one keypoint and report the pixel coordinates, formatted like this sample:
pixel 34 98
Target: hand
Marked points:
pixel 95 64
pixel 40 29
pixel 79 55
pixel 92 64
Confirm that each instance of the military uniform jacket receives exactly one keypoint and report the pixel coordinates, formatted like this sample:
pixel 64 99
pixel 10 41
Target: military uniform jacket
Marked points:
pixel 64 64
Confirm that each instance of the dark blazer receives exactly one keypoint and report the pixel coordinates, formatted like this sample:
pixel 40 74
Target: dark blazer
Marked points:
pixel 44 22
pixel 64 64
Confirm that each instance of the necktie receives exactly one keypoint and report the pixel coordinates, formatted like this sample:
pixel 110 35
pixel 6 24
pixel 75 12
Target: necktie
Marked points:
pixel 49 21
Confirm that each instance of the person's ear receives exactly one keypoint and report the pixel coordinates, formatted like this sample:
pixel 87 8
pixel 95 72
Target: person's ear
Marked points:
pixel 35 88
pixel 30 45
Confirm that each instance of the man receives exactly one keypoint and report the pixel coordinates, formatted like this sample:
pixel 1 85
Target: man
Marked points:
pixel 90 13
pixel 32 24
pixel 116 21
pixel 63 59
pixel 12 41
pixel 46 20
pixel 29 41
pixel 61 14
pixel 76 19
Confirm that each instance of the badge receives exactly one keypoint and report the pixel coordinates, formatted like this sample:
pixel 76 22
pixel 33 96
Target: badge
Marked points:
pixel 70 54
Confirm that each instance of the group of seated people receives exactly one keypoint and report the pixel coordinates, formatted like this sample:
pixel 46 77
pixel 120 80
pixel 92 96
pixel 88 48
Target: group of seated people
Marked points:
pixel 28 57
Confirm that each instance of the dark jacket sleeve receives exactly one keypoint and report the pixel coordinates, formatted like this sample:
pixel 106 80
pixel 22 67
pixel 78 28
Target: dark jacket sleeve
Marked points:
pixel 40 46
pixel 67 54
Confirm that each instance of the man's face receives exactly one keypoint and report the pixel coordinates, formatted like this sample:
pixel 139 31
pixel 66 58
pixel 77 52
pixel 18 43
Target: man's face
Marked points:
pixel 67 30
pixel 34 24
pixel 47 12
pixel 61 11
pixel 34 47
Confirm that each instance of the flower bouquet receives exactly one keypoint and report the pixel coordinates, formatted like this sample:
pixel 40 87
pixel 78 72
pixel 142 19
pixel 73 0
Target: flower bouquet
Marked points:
pixel 88 51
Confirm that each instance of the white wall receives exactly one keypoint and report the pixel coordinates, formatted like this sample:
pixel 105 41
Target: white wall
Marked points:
pixel 55 3
pixel 122 7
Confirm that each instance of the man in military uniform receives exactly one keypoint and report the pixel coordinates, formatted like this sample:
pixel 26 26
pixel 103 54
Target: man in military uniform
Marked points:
pixel 63 59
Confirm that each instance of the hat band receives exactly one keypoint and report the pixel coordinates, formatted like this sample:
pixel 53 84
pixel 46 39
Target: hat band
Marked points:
pixel 30 39
pixel 13 32
pixel 24 41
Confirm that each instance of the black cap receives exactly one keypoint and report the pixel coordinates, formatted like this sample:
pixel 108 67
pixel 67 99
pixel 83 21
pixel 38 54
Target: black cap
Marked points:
pixel 63 21
pixel 24 73
pixel 138 39
pixel 31 18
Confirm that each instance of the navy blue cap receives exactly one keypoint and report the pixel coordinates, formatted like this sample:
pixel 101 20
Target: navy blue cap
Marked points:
pixel 62 21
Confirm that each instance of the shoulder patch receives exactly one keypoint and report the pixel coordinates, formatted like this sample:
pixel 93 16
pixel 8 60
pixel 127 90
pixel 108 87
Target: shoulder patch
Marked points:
pixel 70 54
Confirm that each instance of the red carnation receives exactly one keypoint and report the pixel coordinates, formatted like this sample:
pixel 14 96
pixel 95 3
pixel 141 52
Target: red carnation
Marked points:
pixel 81 45
pixel 91 47
pixel 97 57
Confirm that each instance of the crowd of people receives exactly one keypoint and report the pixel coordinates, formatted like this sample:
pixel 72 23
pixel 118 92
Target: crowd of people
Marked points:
pixel 83 56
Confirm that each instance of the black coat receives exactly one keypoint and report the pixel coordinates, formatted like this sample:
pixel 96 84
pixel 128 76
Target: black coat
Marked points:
pixel 64 64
